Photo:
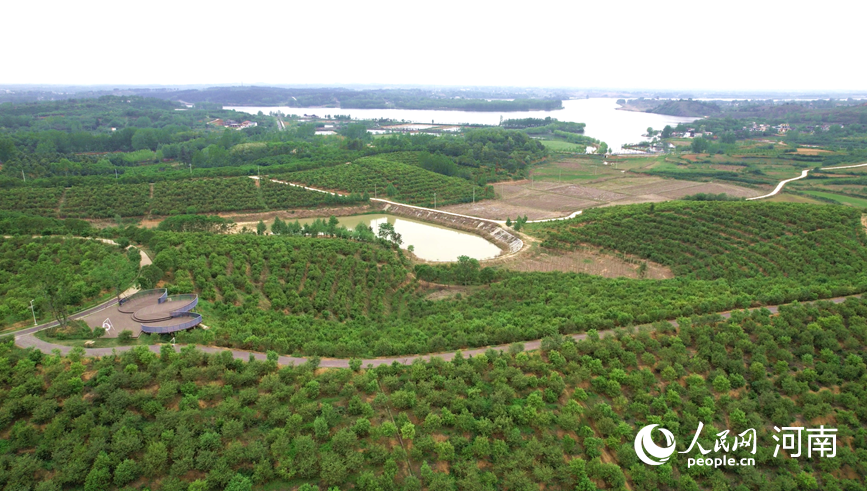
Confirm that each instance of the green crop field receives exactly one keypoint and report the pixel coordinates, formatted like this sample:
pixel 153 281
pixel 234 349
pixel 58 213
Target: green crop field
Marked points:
pixel 412 185
pixel 840 198
pixel 126 200
pixel 563 146
pixel 39 201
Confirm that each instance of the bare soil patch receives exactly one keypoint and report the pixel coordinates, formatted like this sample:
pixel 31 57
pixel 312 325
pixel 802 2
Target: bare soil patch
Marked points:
pixel 619 184
pixel 500 210
pixel 508 190
pixel 444 292
pixel 634 200
pixel 730 168
pixel 658 187
pixel 811 151
pixel 553 202
pixel 588 261
pixel 586 192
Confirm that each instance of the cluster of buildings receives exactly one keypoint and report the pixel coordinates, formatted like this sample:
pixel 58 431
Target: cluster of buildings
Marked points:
pixel 825 127
pixel 784 128
pixel 231 123
pixel 691 133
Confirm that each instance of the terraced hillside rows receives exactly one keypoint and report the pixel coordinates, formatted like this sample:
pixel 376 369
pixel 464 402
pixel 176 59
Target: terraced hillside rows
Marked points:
pixel 725 240
pixel 280 196
pixel 207 195
pixel 288 290
pixel 169 198
pixel 409 158
pixel 37 201
pixel 413 185
pixel 564 417
pixel 126 200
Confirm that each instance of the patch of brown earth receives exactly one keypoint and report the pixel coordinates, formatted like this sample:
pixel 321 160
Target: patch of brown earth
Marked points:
pixel 500 210
pixel 587 261
pixel 443 292
pixel 811 151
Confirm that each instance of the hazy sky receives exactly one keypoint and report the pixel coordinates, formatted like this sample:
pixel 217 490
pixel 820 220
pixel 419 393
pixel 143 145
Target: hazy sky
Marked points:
pixel 734 45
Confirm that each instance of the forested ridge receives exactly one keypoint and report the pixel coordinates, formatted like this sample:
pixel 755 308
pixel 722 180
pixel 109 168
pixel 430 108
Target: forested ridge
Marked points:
pixel 169 198
pixel 706 240
pixel 385 179
pixel 564 417
pixel 58 273
pixel 94 159
pixel 316 98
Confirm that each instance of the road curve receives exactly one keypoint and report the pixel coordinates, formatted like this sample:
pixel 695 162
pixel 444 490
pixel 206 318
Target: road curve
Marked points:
pixel 781 184
pixel 28 340
pixel 803 175
pixel 145 260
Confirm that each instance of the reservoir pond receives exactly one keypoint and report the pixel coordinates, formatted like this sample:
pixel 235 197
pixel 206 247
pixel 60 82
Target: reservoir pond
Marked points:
pixel 430 242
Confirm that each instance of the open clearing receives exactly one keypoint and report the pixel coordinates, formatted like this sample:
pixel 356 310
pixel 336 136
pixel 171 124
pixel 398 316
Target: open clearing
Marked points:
pixel 812 151
pixel 563 187
pixel 588 261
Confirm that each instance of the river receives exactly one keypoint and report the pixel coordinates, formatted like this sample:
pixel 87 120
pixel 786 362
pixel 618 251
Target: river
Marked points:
pixel 604 122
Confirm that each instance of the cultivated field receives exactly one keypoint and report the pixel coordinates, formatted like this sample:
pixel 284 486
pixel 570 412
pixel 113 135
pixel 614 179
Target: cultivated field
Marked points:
pixel 563 187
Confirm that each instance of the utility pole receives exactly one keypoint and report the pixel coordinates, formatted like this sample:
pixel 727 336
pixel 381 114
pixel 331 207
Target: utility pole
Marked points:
pixel 191 169
pixel 374 191
pixel 474 195
pixel 23 176
pixel 115 173
pixel 33 311
pixel 435 201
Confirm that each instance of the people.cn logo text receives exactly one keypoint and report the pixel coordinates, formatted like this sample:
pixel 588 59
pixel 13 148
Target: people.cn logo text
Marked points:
pixel 649 452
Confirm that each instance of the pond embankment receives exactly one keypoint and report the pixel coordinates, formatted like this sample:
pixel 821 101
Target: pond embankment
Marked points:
pixel 506 240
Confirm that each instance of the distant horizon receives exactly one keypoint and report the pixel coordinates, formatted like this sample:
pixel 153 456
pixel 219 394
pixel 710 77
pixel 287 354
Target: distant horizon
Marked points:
pixel 628 91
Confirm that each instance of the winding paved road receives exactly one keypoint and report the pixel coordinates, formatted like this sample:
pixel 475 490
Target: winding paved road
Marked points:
pixel 27 340
pixel 803 175
pixel 144 261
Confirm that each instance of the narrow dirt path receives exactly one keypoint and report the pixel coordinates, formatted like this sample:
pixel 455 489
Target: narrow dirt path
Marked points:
pixel 62 202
